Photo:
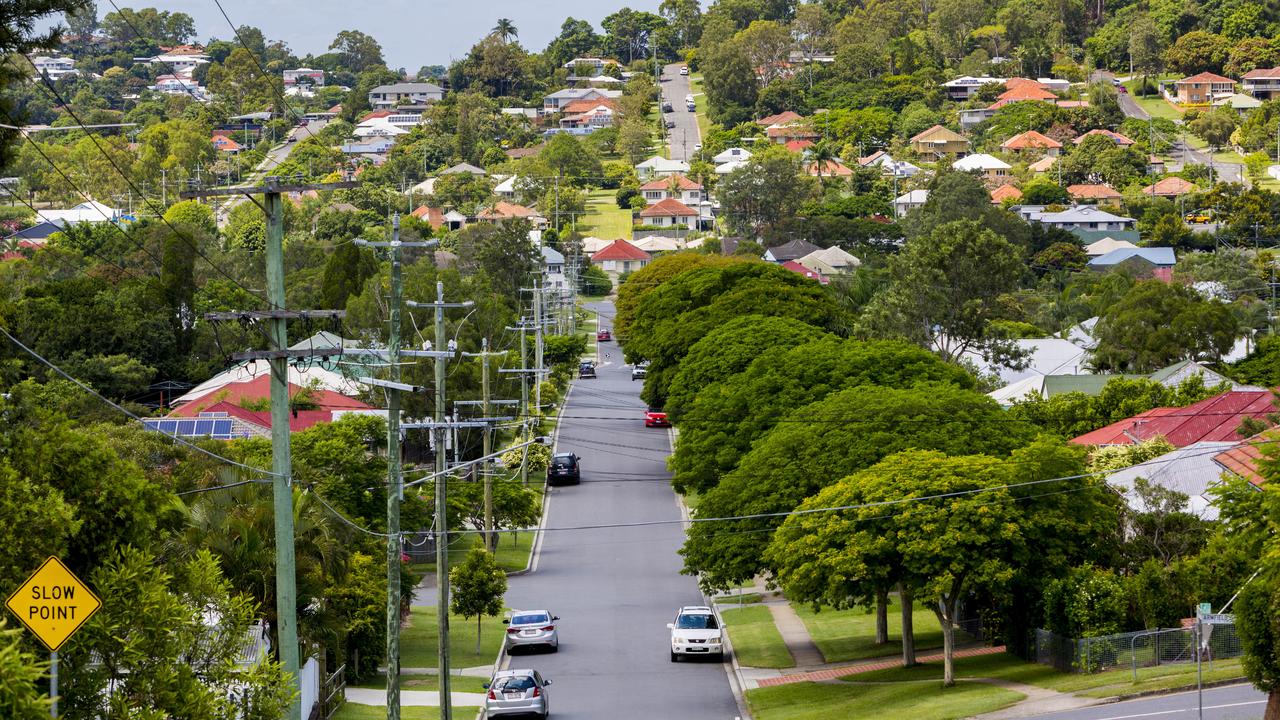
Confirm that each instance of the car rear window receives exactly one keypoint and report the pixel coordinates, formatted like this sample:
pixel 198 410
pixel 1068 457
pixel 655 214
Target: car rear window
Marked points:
pixel 529 619
pixel 697 622
pixel 521 682
pixel 562 461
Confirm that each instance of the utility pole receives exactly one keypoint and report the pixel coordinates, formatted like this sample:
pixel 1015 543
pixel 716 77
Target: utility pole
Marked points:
pixel 281 460
pixel 486 404
pixel 537 342
pixel 395 478
pixel 524 370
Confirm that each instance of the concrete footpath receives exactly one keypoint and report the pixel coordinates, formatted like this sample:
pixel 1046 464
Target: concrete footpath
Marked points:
pixel 412 698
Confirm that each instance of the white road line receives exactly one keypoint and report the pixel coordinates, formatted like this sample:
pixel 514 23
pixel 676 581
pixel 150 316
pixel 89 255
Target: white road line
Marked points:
pixel 1184 710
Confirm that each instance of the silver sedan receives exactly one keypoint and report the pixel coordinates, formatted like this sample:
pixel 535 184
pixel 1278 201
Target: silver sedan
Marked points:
pixel 517 692
pixel 532 628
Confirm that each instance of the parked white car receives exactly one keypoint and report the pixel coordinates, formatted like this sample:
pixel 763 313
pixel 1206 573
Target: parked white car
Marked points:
pixel 697 630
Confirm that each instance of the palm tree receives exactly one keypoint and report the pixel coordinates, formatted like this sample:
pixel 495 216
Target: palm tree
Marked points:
pixel 505 29
pixel 820 155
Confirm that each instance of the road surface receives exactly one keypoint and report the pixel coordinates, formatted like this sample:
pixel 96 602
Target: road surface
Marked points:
pixel 685 135
pixel 1234 702
pixel 615 589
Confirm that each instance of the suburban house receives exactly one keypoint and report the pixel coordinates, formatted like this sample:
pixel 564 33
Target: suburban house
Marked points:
pixel 437 218
pixel 555 101
pixel 783 134
pixel 222 143
pixel 1116 137
pixel 670 213
pixel 799 269
pixel 1005 192
pixel 588 115
pixel 506 189
pixel 1095 195
pixel 385 123
pixel 1031 142
pixel 54 67
pixel 1190 470
pixel 1079 217
pixel 1202 88
pixel 992 169
pixel 553 269
pixel 1047 386
pixel 729 167
pixel 408 93
pixel 1143 260
pixel 368 146
pixel 306 76
pixel 798 146
pixel 830 261
pixel 733 154
pixel 828 168
pixel 464 169
pixel 1213 419
pixel 1044 356
pixel 964 88
pixel 90 211
pixel 783 118
pixel 793 250
pixel 658 166
pixel 887 165
pixel 937 141
pixel 620 256
pixel 1239 102
pixel 593 67
pixel 1019 90
pixel 676 186
pixel 1262 83
pixel 907 202
pixel 1106 245
pixel 502 211
pixel 1043 165
pixel 1170 187
pixel 37 234
pixel 181 61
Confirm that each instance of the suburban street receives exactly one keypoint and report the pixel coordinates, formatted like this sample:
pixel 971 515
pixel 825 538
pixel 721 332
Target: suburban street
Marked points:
pixel 275 156
pixel 1233 702
pixel 685 135
pixel 615 589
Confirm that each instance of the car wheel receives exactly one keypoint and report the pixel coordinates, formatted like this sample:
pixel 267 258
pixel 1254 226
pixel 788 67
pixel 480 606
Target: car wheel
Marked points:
pixel 720 657
pixel 674 657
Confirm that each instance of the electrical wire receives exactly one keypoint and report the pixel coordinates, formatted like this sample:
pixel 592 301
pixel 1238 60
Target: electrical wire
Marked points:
pixel 220 487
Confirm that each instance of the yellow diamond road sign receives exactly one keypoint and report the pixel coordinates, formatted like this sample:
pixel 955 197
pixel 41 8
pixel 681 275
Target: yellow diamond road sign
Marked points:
pixel 53 603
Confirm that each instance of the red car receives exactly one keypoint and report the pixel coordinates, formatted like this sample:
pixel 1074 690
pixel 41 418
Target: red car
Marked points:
pixel 654 417
pixel 603 336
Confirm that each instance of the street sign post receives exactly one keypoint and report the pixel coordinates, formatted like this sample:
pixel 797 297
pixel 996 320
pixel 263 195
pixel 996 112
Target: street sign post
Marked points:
pixel 53 603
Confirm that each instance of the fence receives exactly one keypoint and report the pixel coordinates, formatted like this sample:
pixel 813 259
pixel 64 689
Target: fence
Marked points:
pixel 1134 650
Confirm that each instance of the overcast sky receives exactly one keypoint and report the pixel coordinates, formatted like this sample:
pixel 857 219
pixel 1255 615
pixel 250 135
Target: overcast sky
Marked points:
pixel 412 33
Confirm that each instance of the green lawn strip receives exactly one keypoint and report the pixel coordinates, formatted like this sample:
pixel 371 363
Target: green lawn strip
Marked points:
pixel 910 701
pixel 604 219
pixel 457 683
pixel 1008 667
pixel 756 640
pixel 353 711
pixel 700 102
pixel 843 635
pixel 418 641
pixel 743 599
pixel 512 555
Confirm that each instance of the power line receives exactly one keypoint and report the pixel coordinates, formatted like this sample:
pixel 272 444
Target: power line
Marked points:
pixel 254 56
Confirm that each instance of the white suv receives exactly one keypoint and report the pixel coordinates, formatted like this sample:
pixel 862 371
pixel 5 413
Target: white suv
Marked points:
pixel 697 631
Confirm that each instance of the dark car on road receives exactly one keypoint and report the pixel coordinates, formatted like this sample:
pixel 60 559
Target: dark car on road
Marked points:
pixel 656 417
pixel 564 468
pixel 586 370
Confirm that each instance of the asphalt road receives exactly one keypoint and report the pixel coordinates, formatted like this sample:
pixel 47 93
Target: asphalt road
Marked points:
pixel 275 156
pixel 615 589
pixel 1234 702
pixel 685 135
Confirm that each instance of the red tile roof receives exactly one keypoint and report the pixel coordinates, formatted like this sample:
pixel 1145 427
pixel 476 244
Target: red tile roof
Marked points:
pixel 791 131
pixel 796 146
pixel 225 144
pixel 1032 91
pixel 1242 460
pixel 829 168
pixel 799 269
pixel 1093 192
pixel 668 208
pixel 259 388
pixel 683 182
pixel 619 250
pixel 503 210
pixel 1204 77
pixel 298 421
pixel 782 117
pixel 374 115
pixel 1005 192
pixel 1117 137
pixel 581 106
pixel 1030 139
pixel 947 134
pixel 1171 186
pixel 1212 419
pixel 1262 74
pixel 433 216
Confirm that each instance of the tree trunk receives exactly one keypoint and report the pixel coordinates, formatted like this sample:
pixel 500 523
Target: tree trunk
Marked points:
pixel 948 643
pixel 882 617
pixel 908 628
pixel 478 617
pixel 1273 706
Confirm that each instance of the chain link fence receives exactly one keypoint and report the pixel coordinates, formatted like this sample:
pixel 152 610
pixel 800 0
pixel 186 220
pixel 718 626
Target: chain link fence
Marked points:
pixel 1134 650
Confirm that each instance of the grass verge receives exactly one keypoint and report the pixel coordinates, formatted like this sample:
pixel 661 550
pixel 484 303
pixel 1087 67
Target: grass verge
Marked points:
pixel 850 634
pixel 604 219
pixel 756 640
pixel 743 599
pixel 352 711
pixel 512 551
pixel 700 102
pixel 418 641
pixel 911 701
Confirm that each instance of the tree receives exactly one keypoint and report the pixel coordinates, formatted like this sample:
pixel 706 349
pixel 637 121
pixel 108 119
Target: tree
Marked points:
pixel 502 251
pixel 20 696
pixel 1215 127
pixel 345 273
pixel 758 197
pixel 684 18
pixel 1258 624
pixel 628 33
pixel 241 84
pixel 576 39
pixel 729 79
pixel 944 291
pixel 505 30
pixel 1146 48
pixel 359 51
pixel 1198 51
pixel 478 587
pixel 1156 324
pixel 148 25
pixel 640 283
pixel 767 45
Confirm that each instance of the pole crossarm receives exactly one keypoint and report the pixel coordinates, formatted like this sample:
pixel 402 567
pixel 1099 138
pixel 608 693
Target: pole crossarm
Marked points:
pixel 482 402
pixel 286 354
pixel 361 242
pixel 277 315
pixel 447 424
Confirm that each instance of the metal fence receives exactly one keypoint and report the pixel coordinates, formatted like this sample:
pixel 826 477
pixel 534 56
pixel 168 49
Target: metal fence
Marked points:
pixel 1134 650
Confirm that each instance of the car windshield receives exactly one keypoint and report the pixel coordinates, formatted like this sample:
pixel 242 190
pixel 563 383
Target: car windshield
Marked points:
pixel 530 619
pixel 697 622
pixel 512 684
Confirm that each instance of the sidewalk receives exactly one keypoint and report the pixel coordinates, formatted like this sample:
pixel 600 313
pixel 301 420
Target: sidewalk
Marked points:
pixel 412 698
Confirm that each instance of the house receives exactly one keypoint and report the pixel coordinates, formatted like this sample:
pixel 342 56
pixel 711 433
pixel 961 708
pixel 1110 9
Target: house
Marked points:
pixel 405 93
pixel 506 189
pixel 555 101
pixel 1155 166
pixel 1243 460
pixel 599 115
pixel 385 123
pixel 592 245
pixel 798 146
pixel 938 141
pixel 783 118
pixel 1079 217
pixel 1213 419
pixel 222 143
pixel 1047 386
pixel 793 250
pixel 733 154
pixel 1239 102
pixel 670 213
pixel 1147 258
pixel 799 269
pixel 1202 88
pixel 90 211
pixel 729 167
pixel 658 166
pixel 593 67
pixel 1106 245
pixel 1095 195
pixel 655 244
pixel 676 187
pixel 829 168
pixel 907 202
pixel 1116 137
pixel 1019 90
pixel 1031 142
pixel 180 61
pixel 304 76
pixel 830 261
pixel 37 234
pixel 257 389
pixel 178 85
pixel 54 67
pixel 553 276
pixel 1190 470
pixel 620 256
pixel 1262 83
pixel 464 169
pixel 368 146
pixel 1043 165
pixel 1170 187
pixel 502 211
pixel 992 169
pixel 1044 356
pixel 1005 192
pixel 964 88
pixel 783 134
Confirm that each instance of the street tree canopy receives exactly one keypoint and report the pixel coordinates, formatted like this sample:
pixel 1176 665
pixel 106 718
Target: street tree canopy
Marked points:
pixel 1156 324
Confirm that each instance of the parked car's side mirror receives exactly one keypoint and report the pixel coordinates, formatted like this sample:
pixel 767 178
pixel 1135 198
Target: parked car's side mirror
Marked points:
pixel 506 622
pixel 485 686
pixel 671 626
pixel 555 617
pixel 546 682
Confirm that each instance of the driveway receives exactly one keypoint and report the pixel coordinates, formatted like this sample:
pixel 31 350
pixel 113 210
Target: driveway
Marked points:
pixel 616 588
pixel 685 135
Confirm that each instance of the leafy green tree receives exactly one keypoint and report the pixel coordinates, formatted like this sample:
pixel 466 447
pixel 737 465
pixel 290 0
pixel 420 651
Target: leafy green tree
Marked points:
pixel 1044 192
pixel 148 25
pixel 478 587
pixel 1146 48
pixel 595 281
pixel 1257 622
pixel 345 273
pixel 1062 256
pixel 360 52
pixel 240 84
pixel 1075 413
pixel 1215 127
pixel 1156 324
pixel 652 276
pixel 759 196
pixel 1198 51
pixel 1087 602
pixel 502 251
pixel 729 79
pixel 577 38
pixel 21 698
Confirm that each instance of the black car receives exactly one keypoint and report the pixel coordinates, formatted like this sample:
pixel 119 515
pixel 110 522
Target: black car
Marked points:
pixel 563 468
pixel 586 370
pixel 666 107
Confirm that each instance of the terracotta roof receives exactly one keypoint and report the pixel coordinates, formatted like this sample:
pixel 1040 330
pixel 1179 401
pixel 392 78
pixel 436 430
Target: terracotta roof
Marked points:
pixel 376 114
pixel 799 269
pixel 668 208
pixel 1262 74
pixel 1242 460
pixel 581 106
pixel 791 131
pixel 1171 186
pixel 298 421
pixel 1204 77
pixel 829 168
pixel 620 250
pixel 1212 419
pixel 1092 192
pixel 259 388
pixel 870 158
pixel 1033 91
pixel 503 210
pixel 224 143
pixel 782 117
pixel 336 108
pixel 665 183
pixel 433 216
pixel 1030 139
pixel 1005 192
pixel 941 132
pixel 798 145
pixel 1017 82
pixel 1043 164
pixel 1117 137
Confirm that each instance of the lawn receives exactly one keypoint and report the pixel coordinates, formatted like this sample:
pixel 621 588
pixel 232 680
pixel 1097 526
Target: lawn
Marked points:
pixel 418 641
pixel 700 102
pixel 756 640
pixel 512 552
pixel 604 219
pixel 1104 684
pixel 457 683
pixel 739 599
pixel 908 701
pixel 352 711
pixel 850 634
